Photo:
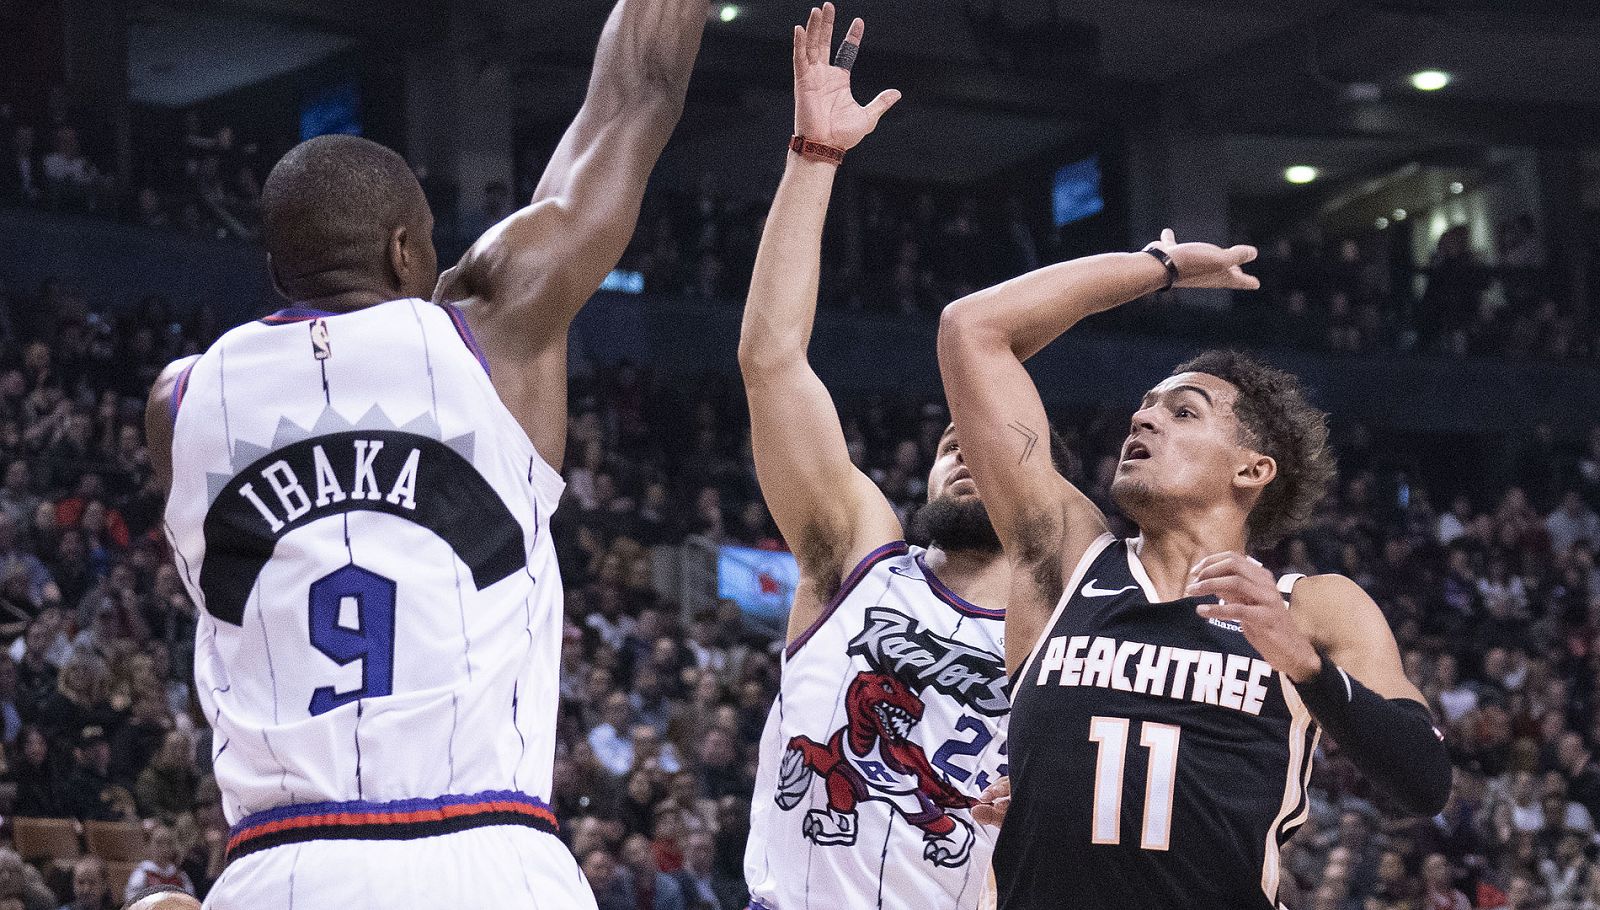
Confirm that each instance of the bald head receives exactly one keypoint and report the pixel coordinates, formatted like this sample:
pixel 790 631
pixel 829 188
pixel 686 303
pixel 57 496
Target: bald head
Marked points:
pixel 343 214
pixel 165 900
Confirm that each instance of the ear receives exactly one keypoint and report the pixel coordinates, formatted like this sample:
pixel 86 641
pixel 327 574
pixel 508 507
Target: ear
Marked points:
pixel 400 259
pixel 1255 473
pixel 277 283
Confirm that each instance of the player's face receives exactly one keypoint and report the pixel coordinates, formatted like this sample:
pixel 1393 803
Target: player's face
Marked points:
pixel 949 475
pixel 1182 449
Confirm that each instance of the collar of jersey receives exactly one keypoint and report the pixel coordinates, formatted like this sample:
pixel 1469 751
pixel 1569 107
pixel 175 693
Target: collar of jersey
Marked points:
pixel 943 592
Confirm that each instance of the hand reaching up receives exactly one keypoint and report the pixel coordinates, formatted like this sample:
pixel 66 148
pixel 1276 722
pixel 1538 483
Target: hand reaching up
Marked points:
pixel 824 109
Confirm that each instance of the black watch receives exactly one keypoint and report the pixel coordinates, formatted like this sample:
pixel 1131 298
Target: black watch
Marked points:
pixel 1166 261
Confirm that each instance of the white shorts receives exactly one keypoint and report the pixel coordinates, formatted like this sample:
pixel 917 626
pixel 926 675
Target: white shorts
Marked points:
pixel 499 866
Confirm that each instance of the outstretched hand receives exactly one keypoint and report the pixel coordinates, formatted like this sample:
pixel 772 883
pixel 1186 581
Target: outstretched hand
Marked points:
pixel 824 109
pixel 1205 265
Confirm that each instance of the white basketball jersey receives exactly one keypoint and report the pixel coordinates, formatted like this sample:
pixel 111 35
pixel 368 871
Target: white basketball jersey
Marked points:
pixel 365 529
pixel 890 721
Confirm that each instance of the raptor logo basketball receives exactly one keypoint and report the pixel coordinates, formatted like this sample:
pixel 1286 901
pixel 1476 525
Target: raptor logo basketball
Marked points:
pixel 872 757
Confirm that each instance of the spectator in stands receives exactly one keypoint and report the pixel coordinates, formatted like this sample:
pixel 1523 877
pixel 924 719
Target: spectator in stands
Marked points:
pixel 69 177
pixel 88 791
pixel 161 868
pixel 22 883
pixel 162 898
pixel 611 740
pixel 652 888
pixel 611 890
pixel 90 890
pixel 22 178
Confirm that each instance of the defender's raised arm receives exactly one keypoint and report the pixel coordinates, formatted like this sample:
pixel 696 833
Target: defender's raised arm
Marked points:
pixel 528 276
pixel 830 513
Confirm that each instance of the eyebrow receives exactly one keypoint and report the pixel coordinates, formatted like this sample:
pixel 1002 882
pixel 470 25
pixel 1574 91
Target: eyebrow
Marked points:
pixel 1145 401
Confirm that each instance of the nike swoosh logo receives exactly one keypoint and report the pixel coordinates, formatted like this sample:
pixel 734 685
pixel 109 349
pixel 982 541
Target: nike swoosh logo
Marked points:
pixel 903 573
pixel 1089 590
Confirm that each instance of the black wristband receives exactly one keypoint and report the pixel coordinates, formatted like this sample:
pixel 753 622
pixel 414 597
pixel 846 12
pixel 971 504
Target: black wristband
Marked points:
pixel 1165 260
pixel 1392 741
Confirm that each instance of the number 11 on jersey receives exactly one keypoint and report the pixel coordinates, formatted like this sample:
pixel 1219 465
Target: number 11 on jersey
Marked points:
pixel 1110 734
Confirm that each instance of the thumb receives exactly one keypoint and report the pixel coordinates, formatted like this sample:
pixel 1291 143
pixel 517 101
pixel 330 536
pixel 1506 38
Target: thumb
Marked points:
pixel 881 104
pixel 1168 238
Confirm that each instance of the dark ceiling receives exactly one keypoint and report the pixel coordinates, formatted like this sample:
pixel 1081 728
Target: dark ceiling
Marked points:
pixel 990 83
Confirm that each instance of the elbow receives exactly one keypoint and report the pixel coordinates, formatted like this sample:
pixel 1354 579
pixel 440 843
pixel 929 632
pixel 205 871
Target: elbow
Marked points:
pixel 762 357
pixel 1426 794
pixel 965 325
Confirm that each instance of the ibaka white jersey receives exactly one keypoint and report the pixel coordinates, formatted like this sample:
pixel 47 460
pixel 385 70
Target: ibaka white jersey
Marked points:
pixel 365 528
pixel 890 721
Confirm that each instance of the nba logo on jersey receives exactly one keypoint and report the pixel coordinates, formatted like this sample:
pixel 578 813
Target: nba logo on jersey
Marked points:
pixel 321 348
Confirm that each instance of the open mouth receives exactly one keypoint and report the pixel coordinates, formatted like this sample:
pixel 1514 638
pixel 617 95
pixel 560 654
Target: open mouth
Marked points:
pixel 897 721
pixel 1136 451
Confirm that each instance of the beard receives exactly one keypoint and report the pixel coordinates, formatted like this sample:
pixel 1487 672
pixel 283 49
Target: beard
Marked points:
pixel 956 523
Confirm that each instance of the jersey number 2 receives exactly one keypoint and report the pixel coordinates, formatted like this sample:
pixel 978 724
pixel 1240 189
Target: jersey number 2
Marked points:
pixel 365 632
pixel 1111 735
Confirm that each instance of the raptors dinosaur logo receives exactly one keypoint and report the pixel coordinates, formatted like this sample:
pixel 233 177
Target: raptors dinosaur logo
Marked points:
pixel 872 758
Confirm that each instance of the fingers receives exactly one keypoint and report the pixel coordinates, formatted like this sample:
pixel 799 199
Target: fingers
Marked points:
pixel 881 104
pixel 1215 564
pixel 1244 252
pixel 799 49
pixel 813 29
pixel 1230 588
pixel 1000 789
pixel 1168 237
pixel 822 38
pixel 857 29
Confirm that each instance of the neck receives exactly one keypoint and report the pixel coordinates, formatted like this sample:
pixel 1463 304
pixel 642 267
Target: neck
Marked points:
pixel 1169 552
pixel 343 301
pixel 981 577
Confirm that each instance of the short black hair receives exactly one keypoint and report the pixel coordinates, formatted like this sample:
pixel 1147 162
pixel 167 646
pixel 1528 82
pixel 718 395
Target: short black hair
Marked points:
pixel 331 203
pixel 1278 421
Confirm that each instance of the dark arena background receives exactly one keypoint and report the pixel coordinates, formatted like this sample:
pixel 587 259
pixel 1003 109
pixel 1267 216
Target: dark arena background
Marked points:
pixel 1422 178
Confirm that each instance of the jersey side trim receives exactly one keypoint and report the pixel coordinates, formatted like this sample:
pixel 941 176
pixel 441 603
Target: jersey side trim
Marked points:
pixel 179 389
pixel 893 548
pixel 1089 556
pixel 459 320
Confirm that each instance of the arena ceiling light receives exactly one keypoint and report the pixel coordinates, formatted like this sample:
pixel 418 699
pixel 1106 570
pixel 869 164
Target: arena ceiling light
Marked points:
pixel 728 12
pixel 1429 80
pixel 1300 173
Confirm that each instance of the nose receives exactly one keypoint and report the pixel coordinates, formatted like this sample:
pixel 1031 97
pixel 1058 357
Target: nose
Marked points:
pixel 1143 419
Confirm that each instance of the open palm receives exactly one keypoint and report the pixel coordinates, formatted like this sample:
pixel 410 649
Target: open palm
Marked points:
pixel 824 109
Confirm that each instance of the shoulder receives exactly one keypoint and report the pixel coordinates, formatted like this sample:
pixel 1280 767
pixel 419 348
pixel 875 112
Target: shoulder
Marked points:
pixel 1332 607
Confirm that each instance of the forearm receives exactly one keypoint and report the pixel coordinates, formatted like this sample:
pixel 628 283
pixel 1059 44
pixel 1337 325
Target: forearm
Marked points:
pixel 1392 741
pixel 646 55
pixel 782 304
pixel 1027 313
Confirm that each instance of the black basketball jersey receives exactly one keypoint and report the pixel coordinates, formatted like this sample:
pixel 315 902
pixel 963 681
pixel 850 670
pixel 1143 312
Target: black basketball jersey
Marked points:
pixel 1157 761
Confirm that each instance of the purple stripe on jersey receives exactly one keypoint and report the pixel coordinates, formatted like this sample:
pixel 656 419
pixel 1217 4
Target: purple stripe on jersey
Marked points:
pixel 943 592
pixel 465 331
pixel 296 314
pixel 893 548
pixel 179 389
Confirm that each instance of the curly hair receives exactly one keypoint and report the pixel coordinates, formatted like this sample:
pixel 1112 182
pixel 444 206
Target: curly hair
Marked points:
pixel 1276 420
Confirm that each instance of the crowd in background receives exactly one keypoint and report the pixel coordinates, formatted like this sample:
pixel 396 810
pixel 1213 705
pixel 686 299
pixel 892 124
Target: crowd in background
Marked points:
pixel 202 181
pixel 889 248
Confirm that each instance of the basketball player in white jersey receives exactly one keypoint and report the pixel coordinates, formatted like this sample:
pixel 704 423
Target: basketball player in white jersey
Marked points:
pixel 891 715
pixel 360 494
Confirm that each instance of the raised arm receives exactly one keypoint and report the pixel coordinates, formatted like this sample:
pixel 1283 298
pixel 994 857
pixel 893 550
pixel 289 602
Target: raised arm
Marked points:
pixel 830 513
pixel 525 279
pixel 1044 523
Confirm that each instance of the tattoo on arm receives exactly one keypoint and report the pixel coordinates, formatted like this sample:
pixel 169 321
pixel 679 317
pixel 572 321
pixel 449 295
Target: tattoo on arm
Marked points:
pixel 1030 439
